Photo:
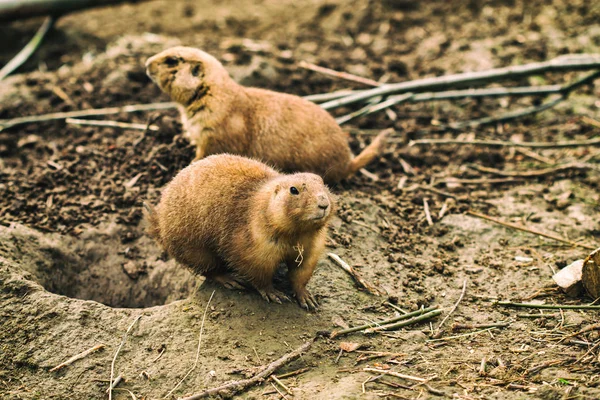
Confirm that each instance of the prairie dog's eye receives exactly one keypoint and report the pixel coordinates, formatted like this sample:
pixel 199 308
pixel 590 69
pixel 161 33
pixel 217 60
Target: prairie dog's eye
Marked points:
pixel 294 191
pixel 171 62
pixel 196 70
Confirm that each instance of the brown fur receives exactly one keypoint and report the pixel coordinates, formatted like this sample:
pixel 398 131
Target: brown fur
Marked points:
pixel 283 130
pixel 227 214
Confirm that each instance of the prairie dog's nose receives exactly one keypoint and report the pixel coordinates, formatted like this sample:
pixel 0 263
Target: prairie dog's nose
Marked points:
pixel 322 202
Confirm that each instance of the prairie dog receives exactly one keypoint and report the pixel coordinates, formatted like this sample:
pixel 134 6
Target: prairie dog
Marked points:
pixel 235 220
pixel 283 130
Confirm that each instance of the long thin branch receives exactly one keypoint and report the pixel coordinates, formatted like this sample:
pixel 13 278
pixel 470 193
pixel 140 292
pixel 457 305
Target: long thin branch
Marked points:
pixel 338 74
pixel 29 48
pixel 401 324
pixel 533 173
pixel 371 108
pixel 7 123
pixel 79 356
pixel 547 306
pixel 197 349
pixel 112 364
pixel 530 230
pixel 500 143
pixel 564 94
pixel 422 311
pixel 237 386
pixel 563 63
pixel 462 294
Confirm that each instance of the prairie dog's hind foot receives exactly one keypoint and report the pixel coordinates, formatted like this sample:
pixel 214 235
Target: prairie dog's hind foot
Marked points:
pixel 273 295
pixel 307 300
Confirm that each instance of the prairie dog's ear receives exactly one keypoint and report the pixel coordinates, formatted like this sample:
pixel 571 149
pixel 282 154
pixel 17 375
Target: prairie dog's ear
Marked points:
pixel 277 189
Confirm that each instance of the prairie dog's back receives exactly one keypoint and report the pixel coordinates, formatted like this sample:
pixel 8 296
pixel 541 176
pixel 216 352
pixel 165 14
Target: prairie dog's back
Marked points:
pixel 287 128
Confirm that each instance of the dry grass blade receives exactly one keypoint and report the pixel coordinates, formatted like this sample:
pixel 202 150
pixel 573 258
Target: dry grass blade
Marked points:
pixel 78 357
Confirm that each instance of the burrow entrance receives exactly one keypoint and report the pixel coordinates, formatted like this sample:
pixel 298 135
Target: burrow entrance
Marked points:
pixel 107 264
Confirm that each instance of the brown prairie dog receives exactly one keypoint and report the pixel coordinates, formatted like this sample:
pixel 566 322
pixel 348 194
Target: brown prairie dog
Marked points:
pixel 235 220
pixel 283 130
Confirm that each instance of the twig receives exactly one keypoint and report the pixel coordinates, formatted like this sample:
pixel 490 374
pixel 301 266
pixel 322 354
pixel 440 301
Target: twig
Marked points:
pixel 594 347
pixel 529 230
pixel 437 191
pixel 283 386
pixel 337 74
pixel 443 210
pixel 372 108
pixel 488 92
pixel 562 63
pixel 401 324
pixel 543 365
pixel 591 121
pixel 112 364
pixel 535 316
pixel 7 123
pixel 236 386
pixel 446 338
pixel 396 374
pixel 321 97
pixel 78 357
pixel 357 278
pixel 534 173
pixel 112 124
pixel 29 48
pixel 456 326
pixel 197 349
pixel 500 143
pixel 479 181
pixel 293 373
pixel 462 294
pixel 279 391
pixel 564 94
pixel 114 383
pixel 422 311
pixel 427 213
pixel 548 306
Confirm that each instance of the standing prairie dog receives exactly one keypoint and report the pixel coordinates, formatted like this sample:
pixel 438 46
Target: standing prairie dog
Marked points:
pixel 235 220
pixel 283 130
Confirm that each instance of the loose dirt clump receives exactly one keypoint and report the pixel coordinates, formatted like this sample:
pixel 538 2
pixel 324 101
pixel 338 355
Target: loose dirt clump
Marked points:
pixel 76 268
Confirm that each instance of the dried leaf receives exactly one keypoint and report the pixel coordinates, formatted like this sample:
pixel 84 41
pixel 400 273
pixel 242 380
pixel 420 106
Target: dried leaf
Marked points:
pixel 349 347
pixel 339 321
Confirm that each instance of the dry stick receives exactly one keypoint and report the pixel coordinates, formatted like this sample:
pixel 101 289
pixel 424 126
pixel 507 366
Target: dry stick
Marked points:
pixel 17 9
pixel 236 386
pixel 535 316
pixel 548 306
pixel 338 74
pixel 594 347
pixel 462 294
pixel 293 373
pixel 111 124
pixel 357 278
pixel 427 213
pixel 401 324
pixel 535 173
pixel 29 48
pixel 591 121
pixel 335 334
pixel 564 94
pixel 447 338
pixel 437 191
pixel 320 97
pixel 7 123
pixel 479 181
pixel 372 108
pixel 78 357
pixel 112 364
pixel 197 349
pixel 283 386
pixel 530 230
pixel 396 374
pixel 563 63
pixel 456 326
pixel 500 143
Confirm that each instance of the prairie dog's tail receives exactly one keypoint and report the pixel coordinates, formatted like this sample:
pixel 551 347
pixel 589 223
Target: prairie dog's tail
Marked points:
pixel 369 153
pixel 152 228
